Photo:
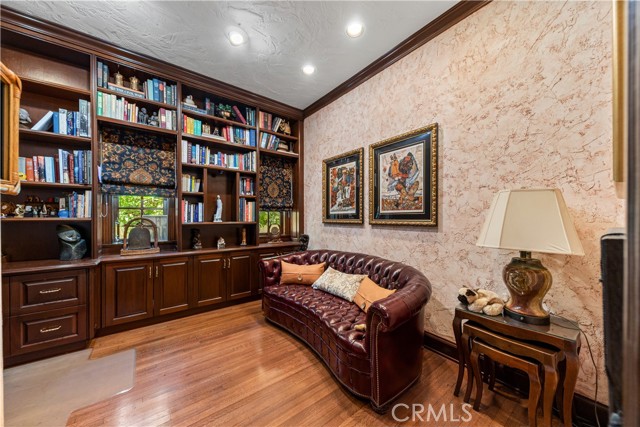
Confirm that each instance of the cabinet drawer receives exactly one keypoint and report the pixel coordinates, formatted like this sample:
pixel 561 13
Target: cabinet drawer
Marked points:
pixel 39 331
pixel 44 291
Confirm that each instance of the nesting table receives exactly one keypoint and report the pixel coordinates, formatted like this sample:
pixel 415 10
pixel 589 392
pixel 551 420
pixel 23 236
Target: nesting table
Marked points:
pixel 560 334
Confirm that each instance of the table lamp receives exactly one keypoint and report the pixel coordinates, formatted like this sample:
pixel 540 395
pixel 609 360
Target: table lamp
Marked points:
pixel 529 220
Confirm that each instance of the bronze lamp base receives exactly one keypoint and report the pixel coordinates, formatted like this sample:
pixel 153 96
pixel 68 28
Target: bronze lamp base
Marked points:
pixel 528 281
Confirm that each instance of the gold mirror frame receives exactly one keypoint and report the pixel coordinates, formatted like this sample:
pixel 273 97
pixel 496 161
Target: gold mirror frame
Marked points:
pixel 10 133
pixel 620 119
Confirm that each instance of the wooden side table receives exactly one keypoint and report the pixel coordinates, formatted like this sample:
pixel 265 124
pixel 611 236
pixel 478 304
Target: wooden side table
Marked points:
pixel 560 334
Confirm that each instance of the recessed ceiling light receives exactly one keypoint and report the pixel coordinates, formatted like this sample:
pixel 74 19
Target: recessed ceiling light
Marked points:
pixel 308 69
pixel 236 38
pixel 355 29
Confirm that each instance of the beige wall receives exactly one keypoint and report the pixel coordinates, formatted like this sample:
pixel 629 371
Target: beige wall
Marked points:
pixel 522 94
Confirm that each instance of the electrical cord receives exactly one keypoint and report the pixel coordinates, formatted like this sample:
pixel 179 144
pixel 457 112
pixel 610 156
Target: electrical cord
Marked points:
pixel 593 361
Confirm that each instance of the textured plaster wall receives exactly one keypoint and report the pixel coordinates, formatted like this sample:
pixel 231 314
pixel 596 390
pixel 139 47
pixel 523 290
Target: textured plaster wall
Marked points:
pixel 522 94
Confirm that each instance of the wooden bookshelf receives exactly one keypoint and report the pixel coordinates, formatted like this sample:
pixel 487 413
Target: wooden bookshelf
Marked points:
pixel 136 100
pixel 139 126
pixel 279 153
pixel 216 119
pixel 52 138
pixel 280 135
pixel 45 219
pixel 218 142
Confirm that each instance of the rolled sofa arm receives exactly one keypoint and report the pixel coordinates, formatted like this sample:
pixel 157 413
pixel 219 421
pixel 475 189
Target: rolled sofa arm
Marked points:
pixel 399 307
pixel 270 271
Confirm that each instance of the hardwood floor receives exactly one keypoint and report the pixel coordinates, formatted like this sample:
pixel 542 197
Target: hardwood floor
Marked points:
pixel 230 367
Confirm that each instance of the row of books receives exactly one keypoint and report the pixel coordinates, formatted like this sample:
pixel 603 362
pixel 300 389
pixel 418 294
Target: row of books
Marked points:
pixel 272 142
pixel 191 183
pixel 153 89
pixel 227 133
pixel 78 205
pixel 65 122
pixel 247 210
pixel 112 106
pixel 64 168
pixel 269 121
pixel 192 212
pixel 247 187
pixel 197 154
pixel 248 118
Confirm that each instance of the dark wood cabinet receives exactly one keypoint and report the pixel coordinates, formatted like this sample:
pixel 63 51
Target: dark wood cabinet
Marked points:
pixel 209 280
pixel 128 292
pixel 171 285
pixel 239 275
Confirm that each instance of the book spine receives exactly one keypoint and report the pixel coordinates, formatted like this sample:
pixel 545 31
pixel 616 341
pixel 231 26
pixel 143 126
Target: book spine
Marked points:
pixel 239 114
pixel 29 168
pixel 99 73
pixel 105 75
pixel 63 121
pixel 156 90
pixel 41 169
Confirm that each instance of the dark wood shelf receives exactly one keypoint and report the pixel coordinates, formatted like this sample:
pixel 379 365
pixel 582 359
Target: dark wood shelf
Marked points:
pixel 146 128
pixel 192 193
pixel 216 119
pixel 279 135
pixel 53 90
pixel 279 153
pixel 134 99
pixel 247 196
pixel 220 142
pixel 44 136
pixel 52 219
pixel 218 168
pixel 55 185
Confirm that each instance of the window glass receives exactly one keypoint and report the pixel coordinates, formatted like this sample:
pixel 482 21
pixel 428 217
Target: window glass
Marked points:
pixel 267 219
pixel 153 208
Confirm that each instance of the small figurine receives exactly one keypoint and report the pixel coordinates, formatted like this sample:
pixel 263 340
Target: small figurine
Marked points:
pixel 143 117
pixel 195 239
pixel 133 83
pixel 218 215
pixel 221 243
pixel 223 111
pixel 7 208
pixel 72 245
pixel 206 129
pixel 216 131
pixel 189 101
pixel 153 120
pixel 284 127
pixel 19 211
pixel 244 237
pixel 118 78
pixel 44 212
pixel 25 119
pixel 304 242
pixel 28 211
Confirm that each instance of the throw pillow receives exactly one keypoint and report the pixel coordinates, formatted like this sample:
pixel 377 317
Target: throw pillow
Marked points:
pixel 294 274
pixel 369 292
pixel 340 284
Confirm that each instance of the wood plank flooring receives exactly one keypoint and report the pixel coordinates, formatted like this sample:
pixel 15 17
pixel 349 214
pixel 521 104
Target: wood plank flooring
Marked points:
pixel 230 367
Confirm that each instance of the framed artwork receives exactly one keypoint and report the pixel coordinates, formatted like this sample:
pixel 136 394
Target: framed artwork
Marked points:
pixel 403 179
pixel 342 188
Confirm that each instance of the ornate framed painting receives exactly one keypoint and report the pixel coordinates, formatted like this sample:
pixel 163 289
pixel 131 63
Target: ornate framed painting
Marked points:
pixel 342 188
pixel 403 179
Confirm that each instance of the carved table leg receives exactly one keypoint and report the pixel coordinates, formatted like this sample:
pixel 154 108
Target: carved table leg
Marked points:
pixel 534 396
pixel 457 332
pixel 572 366
pixel 550 384
pixel 478 379
pixel 465 350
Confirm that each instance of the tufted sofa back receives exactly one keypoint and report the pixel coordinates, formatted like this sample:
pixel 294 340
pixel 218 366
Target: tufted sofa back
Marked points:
pixel 388 274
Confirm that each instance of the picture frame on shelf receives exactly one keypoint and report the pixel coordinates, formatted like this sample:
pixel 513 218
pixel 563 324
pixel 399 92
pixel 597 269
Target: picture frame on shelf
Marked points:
pixel 342 188
pixel 403 179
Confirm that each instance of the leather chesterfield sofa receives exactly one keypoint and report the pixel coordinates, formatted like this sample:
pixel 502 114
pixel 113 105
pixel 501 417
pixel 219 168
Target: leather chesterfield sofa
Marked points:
pixel 379 363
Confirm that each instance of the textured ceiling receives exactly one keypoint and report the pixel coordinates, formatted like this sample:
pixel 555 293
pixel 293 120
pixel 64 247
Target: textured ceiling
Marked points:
pixel 283 36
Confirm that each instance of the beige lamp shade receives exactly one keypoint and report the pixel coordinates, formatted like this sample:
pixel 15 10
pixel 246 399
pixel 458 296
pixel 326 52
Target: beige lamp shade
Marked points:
pixel 531 220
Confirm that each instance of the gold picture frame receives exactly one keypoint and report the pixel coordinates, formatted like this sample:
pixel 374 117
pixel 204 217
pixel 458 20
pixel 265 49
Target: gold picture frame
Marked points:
pixel 11 93
pixel 620 94
pixel 342 188
pixel 403 179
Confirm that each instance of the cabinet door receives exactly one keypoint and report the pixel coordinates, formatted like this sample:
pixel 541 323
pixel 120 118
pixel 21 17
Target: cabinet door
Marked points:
pixel 128 291
pixel 239 269
pixel 209 280
pixel 171 286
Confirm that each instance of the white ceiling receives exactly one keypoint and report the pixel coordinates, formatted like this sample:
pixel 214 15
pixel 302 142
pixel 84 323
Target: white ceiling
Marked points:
pixel 283 36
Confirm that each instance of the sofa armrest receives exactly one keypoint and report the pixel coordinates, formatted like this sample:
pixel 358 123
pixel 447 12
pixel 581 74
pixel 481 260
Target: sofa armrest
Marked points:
pixel 398 307
pixel 270 271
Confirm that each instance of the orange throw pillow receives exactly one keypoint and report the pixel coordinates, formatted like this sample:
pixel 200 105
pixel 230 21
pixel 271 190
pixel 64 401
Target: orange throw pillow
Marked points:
pixel 294 274
pixel 369 292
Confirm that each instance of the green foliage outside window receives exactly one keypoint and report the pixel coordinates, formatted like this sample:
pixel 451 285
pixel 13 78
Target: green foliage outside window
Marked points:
pixel 267 219
pixel 130 207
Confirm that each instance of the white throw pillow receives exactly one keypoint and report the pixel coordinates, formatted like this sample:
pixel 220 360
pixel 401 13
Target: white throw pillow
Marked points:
pixel 340 284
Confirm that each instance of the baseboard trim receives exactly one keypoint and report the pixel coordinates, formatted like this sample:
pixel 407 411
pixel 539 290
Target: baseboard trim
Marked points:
pixel 584 414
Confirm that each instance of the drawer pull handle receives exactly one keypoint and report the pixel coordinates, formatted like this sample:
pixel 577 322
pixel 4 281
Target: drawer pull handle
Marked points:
pixel 51 291
pixel 45 330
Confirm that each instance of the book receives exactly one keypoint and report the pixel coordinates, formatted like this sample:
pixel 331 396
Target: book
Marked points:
pixel 29 168
pixel 125 90
pixel 99 72
pixel 239 115
pixel 45 123
pixel 62 121
pixel 105 75
pixel 41 169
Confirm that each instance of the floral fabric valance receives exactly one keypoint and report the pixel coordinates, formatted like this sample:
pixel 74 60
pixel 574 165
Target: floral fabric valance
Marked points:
pixel 136 163
pixel 276 184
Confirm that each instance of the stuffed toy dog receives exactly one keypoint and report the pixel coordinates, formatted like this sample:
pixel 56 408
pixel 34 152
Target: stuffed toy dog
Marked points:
pixel 481 301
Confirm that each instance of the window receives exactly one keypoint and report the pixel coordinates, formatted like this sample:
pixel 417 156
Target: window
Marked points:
pixel 267 219
pixel 151 207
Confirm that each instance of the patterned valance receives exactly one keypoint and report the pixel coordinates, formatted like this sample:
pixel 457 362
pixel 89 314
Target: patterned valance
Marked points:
pixel 276 184
pixel 137 163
